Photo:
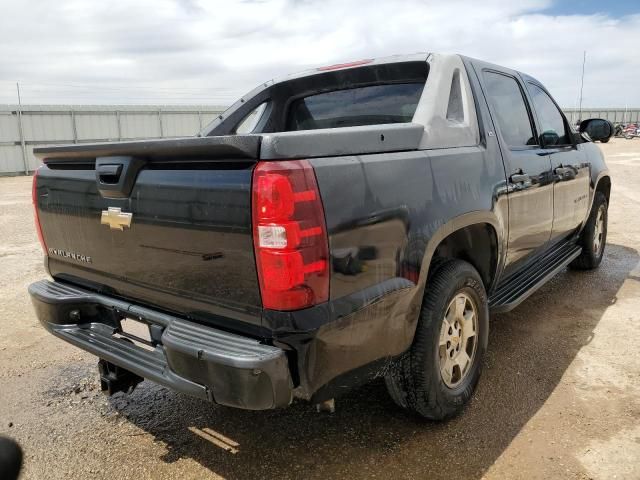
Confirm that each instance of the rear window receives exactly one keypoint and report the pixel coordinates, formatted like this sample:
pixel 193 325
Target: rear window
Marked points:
pixel 372 105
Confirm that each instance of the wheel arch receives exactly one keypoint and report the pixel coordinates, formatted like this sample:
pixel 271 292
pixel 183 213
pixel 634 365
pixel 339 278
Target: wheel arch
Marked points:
pixel 469 237
pixel 604 186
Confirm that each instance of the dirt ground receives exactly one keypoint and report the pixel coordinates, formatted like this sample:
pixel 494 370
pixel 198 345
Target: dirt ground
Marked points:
pixel 559 396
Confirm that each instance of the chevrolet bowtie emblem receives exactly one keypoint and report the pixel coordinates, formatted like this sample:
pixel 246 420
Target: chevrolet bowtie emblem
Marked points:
pixel 116 218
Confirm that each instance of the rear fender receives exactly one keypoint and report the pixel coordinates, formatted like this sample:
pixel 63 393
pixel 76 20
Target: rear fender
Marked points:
pixel 456 224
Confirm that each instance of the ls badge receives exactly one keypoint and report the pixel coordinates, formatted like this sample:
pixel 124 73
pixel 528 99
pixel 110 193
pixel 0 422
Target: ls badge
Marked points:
pixel 116 218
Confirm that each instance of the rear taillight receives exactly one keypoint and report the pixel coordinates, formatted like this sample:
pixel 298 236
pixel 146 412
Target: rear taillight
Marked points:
pixel 289 235
pixel 34 199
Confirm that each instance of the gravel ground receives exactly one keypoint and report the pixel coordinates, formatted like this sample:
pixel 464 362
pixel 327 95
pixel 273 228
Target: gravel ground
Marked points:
pixel 559 397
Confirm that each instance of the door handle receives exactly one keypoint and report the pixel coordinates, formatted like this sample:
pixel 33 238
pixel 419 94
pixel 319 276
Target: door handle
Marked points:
pixel 520 178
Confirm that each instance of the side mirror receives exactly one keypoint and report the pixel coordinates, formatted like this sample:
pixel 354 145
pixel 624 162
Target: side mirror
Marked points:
pixel 550 138
pixel 597 129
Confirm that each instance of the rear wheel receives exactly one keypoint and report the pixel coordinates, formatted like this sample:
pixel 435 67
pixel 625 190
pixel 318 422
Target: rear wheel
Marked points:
pixel 439 373
pixel 594 236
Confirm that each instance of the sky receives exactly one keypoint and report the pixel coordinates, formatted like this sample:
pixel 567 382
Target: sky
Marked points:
pixel 213 51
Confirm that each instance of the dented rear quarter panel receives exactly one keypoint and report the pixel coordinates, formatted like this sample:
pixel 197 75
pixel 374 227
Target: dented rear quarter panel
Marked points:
pixel 385 215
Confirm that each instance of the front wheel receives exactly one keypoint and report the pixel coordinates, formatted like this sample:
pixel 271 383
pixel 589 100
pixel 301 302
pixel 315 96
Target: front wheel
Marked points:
pixel 437 376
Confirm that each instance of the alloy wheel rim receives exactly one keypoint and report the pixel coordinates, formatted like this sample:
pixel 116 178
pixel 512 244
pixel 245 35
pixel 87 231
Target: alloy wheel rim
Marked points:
pixel 457 346
pixel 598 231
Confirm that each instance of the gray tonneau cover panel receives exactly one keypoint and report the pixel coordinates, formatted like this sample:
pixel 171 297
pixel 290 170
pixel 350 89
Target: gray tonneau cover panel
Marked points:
pixel 302 144
pixel 224 147
pixel 341 141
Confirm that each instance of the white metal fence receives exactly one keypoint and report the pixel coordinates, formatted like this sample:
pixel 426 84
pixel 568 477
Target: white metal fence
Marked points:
pixel 23 129
pixel 615 115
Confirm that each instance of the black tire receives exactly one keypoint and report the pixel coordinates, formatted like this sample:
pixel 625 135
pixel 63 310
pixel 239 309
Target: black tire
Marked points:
pixel 414 381
pixel 604 140
pixel 590 258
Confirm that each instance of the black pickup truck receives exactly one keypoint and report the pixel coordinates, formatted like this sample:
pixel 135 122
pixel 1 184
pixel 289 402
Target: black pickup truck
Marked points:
pixel 346 223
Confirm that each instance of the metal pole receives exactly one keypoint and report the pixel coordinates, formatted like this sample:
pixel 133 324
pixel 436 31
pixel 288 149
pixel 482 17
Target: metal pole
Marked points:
pixel 584 60
pixel 119 125
pixel 21 129
pixel 160 123
pixel 74 126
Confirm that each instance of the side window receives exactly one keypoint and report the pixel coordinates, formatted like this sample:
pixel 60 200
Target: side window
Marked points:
pixel 552 123
pixel 509 105
pixel 248 124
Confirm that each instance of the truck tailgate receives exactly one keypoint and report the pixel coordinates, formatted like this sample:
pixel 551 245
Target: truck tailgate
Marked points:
pixel 178 237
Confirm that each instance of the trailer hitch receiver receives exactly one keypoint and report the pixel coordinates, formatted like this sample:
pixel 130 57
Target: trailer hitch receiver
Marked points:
pixel 114 379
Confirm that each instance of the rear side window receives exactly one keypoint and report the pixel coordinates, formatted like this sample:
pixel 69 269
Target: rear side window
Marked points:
pixel 372 105
pixel 249 123
pixel 510 109
pixel 551 120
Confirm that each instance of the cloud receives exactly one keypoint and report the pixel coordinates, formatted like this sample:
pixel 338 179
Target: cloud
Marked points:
pixel 191 51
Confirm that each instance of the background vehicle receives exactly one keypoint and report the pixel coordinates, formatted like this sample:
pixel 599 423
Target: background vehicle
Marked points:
pixel 336 225
pixel 631 130
pixel 618 130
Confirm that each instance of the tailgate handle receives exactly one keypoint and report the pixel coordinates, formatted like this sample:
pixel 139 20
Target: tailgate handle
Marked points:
pixel 109 174
pixel 116 176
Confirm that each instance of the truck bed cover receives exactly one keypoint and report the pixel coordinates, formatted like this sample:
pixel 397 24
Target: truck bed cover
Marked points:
pixel 227 147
